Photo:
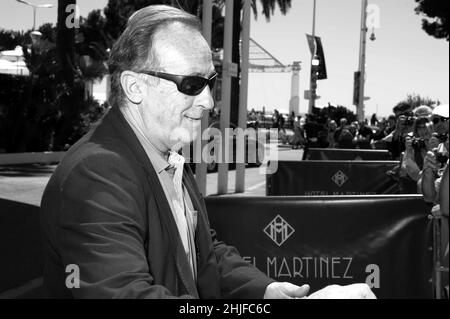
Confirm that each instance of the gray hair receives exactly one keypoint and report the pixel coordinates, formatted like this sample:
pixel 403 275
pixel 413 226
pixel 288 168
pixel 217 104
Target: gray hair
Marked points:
pixel 133 50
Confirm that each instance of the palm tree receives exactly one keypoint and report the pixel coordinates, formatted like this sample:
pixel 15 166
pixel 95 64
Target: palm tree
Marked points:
pixel 269 7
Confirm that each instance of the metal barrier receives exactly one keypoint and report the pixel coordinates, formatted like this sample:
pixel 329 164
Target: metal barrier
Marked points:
pixel 324 178
pixel 330 154
pixel 437 218
pixel 381 240
pixel 31 158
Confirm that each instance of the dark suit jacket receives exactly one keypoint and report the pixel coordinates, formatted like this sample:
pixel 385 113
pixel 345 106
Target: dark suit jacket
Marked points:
pixel 105 211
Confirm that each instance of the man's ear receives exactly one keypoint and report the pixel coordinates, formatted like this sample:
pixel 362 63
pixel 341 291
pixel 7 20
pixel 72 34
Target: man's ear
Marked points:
pixel 132 86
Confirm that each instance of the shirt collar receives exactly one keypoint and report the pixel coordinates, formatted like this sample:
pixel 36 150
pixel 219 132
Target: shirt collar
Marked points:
pixel 158 159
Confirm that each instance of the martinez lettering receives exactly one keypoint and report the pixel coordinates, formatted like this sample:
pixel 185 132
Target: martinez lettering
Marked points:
pixel 305 267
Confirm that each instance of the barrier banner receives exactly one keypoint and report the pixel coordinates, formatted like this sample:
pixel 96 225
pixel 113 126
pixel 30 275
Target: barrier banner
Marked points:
pixel 381 241
pixel 21 253
pixel 329 178
pixel 328 154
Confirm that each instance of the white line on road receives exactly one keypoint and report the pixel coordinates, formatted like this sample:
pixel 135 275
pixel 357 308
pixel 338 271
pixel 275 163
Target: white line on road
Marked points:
pixel 250 189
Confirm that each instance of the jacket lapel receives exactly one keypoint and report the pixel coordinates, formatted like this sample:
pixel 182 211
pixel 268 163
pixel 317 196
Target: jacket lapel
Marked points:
pixel 165 211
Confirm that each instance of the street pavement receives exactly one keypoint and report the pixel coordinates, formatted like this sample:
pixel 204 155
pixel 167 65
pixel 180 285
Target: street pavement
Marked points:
pixel 26 183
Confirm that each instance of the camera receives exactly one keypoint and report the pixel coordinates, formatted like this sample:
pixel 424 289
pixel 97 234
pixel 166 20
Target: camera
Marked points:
pixel 407 119
pixel 419 143
pixel 441 137
pixel 441 158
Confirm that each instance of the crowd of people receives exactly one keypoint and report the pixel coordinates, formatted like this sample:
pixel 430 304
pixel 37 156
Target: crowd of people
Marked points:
pixel 418 138
pixel 410 134
pixel 316 132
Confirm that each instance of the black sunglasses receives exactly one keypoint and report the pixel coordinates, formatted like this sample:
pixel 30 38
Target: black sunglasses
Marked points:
pixel 422 121
pixel 186 84
pixel 439 119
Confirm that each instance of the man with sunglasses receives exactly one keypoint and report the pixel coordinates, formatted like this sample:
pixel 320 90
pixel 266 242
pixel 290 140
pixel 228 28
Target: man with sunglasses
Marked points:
pixel 440 119
pixel 122 208
pixel 436 160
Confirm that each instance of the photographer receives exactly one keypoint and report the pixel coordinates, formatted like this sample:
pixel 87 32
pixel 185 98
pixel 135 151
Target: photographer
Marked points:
pixel 417 144
pixel 436 160
pixel 395 141
pixel 312 129
pixel 365 136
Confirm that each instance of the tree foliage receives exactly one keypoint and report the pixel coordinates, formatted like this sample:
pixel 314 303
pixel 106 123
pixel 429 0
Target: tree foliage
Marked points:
pixel 92 38
pixel 10 39
pixel 268 7
pixel 117 12
pixel 45 111
pixel 334 113
pixel 436 14
pixel 416 100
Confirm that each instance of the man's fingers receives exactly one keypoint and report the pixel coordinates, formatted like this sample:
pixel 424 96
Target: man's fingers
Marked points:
pixel 367 293
pixel 294 291
pixel 356 291
pixel 370 295
pixel 363 291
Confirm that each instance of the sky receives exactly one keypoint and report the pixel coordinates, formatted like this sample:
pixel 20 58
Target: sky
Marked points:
pixel 403 59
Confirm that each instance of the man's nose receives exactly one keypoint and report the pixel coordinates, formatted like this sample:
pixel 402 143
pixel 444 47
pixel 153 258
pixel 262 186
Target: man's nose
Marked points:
pixel 205 99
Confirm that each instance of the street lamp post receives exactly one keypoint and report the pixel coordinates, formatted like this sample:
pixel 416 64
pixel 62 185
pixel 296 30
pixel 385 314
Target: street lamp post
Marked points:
pixel 35 7
pixel 313 80
pixel 362 61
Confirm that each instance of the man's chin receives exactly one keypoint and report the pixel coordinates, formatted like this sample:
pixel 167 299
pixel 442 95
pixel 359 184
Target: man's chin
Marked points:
pixel 181 137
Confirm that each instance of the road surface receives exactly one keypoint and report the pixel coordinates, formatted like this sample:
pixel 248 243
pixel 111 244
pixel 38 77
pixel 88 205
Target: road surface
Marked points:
pixel 26 183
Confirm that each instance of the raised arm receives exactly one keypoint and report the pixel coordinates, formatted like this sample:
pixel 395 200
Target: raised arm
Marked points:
pixel 443 193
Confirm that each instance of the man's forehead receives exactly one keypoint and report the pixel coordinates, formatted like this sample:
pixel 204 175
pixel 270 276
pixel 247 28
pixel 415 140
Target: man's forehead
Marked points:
pixel 182 48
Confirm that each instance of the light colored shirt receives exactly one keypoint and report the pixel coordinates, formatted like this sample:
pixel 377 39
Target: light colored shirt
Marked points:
pixel 183 213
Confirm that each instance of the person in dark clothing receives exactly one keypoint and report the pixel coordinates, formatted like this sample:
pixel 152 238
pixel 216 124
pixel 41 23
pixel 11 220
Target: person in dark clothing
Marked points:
pixel 342 123
pixel 397 138
pixel 346 139
pixel 312 130
pixel 343 136
pixel 291 120
pixel 365 136
pixel 373 120
pixel 276 120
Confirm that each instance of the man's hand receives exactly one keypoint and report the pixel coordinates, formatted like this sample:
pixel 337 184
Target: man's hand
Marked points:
pixel 285 290
pixel 358 291
pixel 409 144
pixel 433 143
pixel 430 163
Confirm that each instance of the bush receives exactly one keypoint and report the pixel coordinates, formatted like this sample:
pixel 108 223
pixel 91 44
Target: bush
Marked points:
pixel 35 116
pixel 13 111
